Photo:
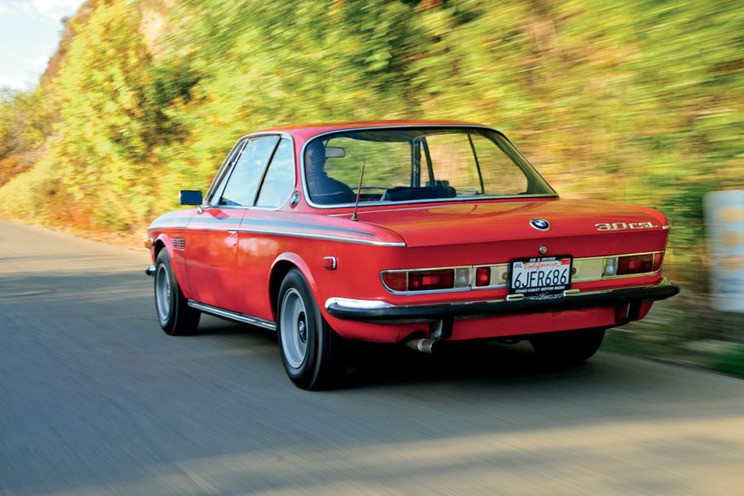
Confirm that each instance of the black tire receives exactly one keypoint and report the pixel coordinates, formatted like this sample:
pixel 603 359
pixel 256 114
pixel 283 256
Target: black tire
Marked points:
pixel 312 353
pixel 570 347
pixel 174 315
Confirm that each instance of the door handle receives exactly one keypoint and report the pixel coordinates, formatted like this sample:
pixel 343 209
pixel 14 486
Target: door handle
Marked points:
pixel 233 234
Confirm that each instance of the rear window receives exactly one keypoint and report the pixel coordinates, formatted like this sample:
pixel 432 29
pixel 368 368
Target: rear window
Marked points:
pixel 427 164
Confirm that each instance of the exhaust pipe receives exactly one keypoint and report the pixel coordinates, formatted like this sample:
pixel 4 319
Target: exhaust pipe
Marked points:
pixel 422 345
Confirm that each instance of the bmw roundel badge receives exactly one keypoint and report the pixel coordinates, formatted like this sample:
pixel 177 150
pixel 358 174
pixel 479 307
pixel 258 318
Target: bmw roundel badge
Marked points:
pixel 540 224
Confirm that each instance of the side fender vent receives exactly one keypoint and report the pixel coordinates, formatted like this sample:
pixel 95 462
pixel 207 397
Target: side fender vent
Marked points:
pixel 179 244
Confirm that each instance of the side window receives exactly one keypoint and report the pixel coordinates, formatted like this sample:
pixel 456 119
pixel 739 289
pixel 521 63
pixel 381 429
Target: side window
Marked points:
pixel 452 161
pixel 501 176
pixel 493 173
pixel 386 163
pixel 245 176
pixel 280 178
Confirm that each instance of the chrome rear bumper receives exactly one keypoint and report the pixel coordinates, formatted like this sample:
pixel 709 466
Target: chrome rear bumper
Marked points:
pixel 377 311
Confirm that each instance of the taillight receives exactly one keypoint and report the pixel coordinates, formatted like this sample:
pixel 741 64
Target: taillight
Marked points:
pixel 482 276
pixel 644 263
pixel 427 279
pixel 658 260
pixel 396 281
pixel 431 279
pixel 636 264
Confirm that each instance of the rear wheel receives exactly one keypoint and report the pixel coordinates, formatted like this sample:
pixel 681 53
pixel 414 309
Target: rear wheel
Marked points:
pixel 174 315
pixel 570 347
pixel 312 352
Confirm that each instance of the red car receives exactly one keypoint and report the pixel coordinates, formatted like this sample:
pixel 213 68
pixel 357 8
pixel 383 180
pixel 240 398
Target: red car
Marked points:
pixel 410 232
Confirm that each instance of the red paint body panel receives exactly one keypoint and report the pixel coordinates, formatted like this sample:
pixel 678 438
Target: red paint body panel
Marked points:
pixel 233 258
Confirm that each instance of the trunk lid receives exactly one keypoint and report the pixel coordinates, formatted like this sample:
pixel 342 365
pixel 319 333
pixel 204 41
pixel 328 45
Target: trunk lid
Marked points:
pixel 504 221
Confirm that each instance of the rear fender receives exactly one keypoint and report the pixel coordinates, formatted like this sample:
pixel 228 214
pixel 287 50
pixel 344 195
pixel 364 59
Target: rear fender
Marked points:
pixel 283 264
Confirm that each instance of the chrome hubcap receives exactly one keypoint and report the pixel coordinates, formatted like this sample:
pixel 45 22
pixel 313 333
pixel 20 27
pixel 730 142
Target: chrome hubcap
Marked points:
pixel 294 328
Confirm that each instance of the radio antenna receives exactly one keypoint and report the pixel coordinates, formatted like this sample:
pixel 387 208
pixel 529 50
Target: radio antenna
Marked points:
pixel 359 192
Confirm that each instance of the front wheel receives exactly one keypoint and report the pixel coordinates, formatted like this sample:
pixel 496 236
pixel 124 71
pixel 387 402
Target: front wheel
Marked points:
pixel 174 315
pixel 312 352
pixel 570 347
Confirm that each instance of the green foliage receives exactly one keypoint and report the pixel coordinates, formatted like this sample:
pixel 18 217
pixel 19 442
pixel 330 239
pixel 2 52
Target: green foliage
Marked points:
pixel 26 119
pixel 731 362
pixel 632 101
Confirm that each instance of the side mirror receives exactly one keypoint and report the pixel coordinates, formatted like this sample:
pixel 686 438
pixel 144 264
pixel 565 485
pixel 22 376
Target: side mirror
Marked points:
pixel 190 197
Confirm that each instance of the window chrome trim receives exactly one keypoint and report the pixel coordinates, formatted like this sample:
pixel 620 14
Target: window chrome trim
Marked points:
pixel 227 165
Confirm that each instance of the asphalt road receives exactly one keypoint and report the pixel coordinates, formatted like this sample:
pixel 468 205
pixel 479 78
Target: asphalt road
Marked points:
pixel 95 399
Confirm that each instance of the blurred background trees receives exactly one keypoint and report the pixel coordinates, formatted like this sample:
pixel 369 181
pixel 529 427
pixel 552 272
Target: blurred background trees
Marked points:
pixel 637 101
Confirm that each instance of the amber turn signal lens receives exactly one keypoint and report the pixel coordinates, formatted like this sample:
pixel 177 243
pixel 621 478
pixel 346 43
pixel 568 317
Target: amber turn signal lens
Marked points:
pixel 396 281
pixel 658 260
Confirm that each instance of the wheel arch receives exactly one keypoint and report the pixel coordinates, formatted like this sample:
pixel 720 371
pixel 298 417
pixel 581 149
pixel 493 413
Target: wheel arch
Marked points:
pixel 157 248
pixel 279 270
pixel 164 242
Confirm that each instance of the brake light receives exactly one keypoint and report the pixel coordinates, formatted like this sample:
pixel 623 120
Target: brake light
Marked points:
pixel 431 279
pixel 482 276
pixel 635 264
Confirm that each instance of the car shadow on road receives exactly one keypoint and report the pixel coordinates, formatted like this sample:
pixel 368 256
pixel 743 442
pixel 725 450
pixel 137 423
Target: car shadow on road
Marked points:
pixel 379 365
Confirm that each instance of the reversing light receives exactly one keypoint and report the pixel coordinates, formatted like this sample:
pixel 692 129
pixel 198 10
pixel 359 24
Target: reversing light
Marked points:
pixel 610 267
pixel 462 277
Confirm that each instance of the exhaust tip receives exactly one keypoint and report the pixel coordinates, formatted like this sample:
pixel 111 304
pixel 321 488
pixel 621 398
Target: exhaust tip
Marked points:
pixel 422 345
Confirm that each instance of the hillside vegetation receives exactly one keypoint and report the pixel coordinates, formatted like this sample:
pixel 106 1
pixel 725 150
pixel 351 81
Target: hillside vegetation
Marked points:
pixel 638 101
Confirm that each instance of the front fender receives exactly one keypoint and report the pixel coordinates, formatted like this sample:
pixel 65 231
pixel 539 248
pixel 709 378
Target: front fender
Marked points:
pixel 164 242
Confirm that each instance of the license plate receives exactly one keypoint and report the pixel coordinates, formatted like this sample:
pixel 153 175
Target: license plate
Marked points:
pixel 540 275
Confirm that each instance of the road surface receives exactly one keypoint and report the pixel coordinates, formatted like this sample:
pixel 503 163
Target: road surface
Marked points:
pixel 95 399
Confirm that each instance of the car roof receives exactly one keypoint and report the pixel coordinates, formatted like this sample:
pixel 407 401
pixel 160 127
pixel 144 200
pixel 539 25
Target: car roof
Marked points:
pixel 304 132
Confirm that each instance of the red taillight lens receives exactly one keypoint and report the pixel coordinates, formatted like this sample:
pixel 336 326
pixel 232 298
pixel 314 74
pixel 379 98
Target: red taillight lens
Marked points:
pixel 483 276
pixel 636 264
pixel 658 260
pixel 397 281
pixel 431 279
